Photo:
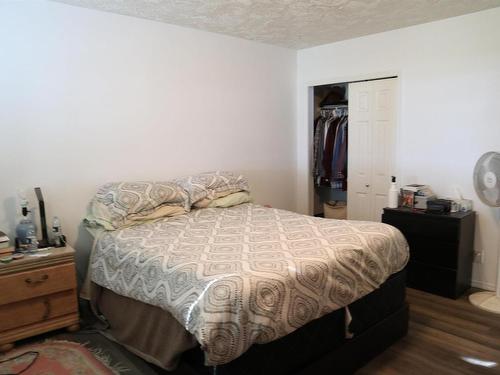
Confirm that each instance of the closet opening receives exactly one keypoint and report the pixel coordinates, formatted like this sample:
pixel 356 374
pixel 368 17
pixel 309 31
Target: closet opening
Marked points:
pixel 353 147
pixel 330 150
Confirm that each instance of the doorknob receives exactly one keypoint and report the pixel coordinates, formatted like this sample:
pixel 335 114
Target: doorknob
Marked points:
pixel 367 185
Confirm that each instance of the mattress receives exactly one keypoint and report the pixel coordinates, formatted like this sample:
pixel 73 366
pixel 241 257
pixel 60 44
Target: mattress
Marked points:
pixel 234 277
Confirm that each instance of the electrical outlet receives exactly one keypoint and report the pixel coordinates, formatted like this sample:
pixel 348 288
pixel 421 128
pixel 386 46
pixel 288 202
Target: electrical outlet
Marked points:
pixel 478 257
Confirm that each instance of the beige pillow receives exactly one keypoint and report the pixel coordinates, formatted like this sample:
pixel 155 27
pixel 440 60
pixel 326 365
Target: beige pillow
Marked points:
pixel 231 200
pixel 158 213
pixel 203 203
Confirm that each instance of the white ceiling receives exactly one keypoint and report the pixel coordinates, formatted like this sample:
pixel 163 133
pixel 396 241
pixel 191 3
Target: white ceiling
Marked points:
pixel 291 23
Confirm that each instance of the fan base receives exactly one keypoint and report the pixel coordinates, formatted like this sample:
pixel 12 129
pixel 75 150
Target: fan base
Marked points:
pixel 488 301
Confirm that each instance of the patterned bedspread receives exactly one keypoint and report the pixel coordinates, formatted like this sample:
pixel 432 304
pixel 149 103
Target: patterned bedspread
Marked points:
pixel 246 274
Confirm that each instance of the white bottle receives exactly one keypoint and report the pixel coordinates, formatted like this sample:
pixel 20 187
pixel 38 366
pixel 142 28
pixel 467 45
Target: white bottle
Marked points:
pixel 56 231
pixel 393 194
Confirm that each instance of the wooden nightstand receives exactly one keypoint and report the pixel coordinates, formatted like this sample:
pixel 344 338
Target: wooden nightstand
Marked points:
pixel 37 294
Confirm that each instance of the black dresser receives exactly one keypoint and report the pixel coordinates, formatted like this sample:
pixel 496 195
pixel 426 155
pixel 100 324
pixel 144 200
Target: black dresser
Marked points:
pixel 441 249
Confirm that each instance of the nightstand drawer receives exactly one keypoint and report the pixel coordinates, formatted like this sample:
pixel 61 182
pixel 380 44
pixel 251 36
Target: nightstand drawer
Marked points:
pixel 36 310
pixel 35 283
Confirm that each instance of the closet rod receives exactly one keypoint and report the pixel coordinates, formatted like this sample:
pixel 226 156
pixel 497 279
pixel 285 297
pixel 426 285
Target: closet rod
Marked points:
pixel 333 106
pixel 361 80
pixel 372 79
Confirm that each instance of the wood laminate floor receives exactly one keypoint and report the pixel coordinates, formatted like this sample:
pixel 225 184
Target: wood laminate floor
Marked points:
pixel 445 337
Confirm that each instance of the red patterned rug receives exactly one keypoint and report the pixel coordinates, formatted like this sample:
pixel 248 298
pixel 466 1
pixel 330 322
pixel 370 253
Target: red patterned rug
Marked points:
pixel 55 358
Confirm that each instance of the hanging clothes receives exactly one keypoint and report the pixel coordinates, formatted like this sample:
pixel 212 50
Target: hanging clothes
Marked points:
pixel 329 146
pixel 339 161
pixel 318 145
pixel 330 149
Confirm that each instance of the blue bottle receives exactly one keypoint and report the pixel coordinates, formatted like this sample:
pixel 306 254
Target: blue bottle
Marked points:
pixel 26 230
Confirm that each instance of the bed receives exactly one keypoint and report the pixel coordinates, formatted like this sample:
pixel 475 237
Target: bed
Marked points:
pixel 252 290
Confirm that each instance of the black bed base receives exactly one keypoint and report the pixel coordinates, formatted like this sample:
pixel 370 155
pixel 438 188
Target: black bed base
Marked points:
pixel 357 352
pixel 320 347
pixel 344 359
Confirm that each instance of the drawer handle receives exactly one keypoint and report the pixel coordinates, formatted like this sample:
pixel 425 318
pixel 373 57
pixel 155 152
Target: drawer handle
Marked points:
pixel 40 280
pixel 46 314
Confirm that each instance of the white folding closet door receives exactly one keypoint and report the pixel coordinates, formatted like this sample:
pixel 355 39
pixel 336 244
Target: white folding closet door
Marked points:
pixel 359 152
pixel 371 147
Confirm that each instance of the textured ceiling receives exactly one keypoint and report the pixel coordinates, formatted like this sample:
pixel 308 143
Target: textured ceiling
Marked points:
pixel 289 23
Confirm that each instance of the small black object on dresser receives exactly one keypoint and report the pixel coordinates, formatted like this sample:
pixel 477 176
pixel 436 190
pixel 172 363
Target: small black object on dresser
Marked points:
pixel 441 249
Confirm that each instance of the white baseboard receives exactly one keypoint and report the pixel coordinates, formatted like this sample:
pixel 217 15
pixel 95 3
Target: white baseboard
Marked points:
pixel 483 285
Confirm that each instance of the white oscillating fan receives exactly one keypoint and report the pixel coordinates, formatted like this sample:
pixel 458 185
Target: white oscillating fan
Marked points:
pixel 487 185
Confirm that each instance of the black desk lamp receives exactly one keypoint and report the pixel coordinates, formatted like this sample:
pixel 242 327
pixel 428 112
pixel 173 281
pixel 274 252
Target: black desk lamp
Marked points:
pixel 43 222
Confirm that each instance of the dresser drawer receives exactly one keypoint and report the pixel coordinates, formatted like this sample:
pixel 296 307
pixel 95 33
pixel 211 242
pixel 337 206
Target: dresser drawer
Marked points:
pixel 433 251
pixel 36 310
pixel 35 283
pixel 424 226
pixel 437 280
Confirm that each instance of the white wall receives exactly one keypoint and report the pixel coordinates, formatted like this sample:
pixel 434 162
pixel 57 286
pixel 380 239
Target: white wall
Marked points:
pixel 88 97
pixel 450 106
